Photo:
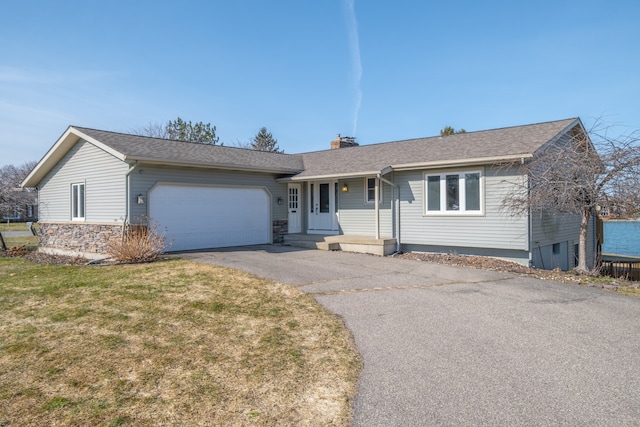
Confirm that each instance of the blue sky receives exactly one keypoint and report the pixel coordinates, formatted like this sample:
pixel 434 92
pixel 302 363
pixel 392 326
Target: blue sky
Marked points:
pixel 308 70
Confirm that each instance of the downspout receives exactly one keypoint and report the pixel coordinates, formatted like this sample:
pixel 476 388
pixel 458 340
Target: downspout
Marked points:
pixel 397 222
pixel 530 222
pixel 376 201
pixel 530 245
pixel 128 196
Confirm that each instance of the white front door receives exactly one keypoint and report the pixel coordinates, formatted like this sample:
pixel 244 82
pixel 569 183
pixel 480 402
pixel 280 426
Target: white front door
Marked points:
pixel 322 207
pixel 295 209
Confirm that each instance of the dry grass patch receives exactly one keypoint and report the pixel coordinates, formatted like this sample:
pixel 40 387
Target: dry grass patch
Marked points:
pixel 168 343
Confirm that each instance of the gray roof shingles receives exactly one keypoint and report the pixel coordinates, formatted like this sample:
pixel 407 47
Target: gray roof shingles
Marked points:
pixel 466 146
pixel 149 149
pixel 345 161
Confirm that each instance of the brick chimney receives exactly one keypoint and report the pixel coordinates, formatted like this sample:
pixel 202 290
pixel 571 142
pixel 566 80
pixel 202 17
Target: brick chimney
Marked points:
pixel 343 142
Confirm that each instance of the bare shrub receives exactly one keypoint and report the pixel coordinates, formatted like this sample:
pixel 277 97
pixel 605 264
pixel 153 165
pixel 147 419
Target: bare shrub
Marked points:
pixel 17 251
pixel 139 243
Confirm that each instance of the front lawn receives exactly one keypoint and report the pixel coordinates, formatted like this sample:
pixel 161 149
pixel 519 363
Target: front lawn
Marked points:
pixel 167 343
pixel 13 226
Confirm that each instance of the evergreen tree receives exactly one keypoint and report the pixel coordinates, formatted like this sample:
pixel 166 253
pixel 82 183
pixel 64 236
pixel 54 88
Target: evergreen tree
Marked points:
pixel 179 130
pixel 448 130
pixel 200 133
pixel 264 141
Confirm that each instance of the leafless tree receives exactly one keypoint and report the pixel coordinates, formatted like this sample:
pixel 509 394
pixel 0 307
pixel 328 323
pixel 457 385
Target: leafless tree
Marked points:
pixel 578 174
pixel 13 197
pixel 154 130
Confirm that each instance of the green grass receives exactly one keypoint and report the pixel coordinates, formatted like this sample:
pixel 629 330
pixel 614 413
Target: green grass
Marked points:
pixel 15 226
pixel 30 242
pixel 167 343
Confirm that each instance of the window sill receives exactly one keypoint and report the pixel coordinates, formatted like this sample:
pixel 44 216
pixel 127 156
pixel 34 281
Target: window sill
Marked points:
pixel 453 214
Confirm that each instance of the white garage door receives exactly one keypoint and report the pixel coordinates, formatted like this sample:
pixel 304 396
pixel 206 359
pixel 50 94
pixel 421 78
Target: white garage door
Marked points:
pixel 210 217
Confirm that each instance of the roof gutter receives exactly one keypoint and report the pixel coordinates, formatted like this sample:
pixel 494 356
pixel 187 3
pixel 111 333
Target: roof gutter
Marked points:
pixel 205 165
pixel 411 166
pixel 328 176
pixel 462 162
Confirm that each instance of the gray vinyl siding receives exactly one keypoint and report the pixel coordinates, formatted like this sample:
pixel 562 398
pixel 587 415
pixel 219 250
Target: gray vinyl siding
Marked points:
pixel 496 228
pixel 357 217
pixel 144 178
pixel 564 230
pixel 554 227
pixel 104 178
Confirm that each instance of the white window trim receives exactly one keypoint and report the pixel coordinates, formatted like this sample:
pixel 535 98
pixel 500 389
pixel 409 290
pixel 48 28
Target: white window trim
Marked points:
pixel 461 195
pixel 74 202
pixel 366 190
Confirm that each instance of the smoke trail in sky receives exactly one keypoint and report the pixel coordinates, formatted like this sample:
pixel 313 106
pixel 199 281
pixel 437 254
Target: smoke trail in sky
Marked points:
pixel 354 49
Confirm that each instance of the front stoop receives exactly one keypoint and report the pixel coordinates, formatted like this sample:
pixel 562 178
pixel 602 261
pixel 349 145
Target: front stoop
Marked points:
pixel 310 241
pixel 359 244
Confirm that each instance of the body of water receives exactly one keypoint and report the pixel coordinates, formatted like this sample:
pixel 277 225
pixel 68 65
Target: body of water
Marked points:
pixel 622 238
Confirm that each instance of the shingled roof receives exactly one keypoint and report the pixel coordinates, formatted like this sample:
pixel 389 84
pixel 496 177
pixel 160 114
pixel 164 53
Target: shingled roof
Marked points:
pixel 459 149
pixel 483 147
pixel 163 151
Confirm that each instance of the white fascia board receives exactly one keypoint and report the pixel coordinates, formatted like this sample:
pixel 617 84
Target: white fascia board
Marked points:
pixel 386 170
pixel 51 157
pixel 68 139
pixel 329 176
pixel 100 145
pixel 461 162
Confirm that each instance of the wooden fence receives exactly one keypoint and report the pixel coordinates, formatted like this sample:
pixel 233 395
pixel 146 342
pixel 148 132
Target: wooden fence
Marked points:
pixel 629 270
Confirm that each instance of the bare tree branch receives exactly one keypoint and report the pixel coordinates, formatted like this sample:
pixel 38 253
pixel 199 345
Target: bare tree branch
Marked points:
pixel 12 197
pixel 580 172
pixel 154 130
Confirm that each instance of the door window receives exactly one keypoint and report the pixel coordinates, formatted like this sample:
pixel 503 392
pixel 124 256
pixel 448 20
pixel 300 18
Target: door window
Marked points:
pixel 324 198
pixel 293 198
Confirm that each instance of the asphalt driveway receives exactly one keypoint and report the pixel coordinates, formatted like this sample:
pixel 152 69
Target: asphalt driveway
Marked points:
pixel 445 345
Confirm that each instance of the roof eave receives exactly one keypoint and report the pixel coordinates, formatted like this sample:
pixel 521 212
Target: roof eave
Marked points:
pixel 561 133
pixel 329 176
pixel 208 165
pixel 66 141
pixel 462 162
pixel 412 166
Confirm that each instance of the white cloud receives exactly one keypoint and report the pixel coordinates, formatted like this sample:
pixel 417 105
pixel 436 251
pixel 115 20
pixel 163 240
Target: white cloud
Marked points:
pixel 356 63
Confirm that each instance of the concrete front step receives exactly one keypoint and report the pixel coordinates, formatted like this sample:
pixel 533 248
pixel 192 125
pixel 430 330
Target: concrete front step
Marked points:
pixel 328 246
pixel 360 244
pixel 311 244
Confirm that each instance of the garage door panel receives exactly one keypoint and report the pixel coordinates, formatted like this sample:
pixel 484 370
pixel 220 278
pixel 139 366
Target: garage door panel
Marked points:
pixel 210 217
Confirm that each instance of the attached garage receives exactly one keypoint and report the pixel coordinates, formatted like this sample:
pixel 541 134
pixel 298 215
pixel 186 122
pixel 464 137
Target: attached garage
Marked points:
pixel 199 217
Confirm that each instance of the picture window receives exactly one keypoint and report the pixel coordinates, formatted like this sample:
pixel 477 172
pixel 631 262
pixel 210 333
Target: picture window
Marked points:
pixel 453 193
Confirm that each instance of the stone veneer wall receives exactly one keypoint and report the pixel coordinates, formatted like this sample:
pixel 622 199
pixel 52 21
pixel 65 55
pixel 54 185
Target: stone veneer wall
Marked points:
pixel 93 238
pixel 280 228
pixel 77 237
